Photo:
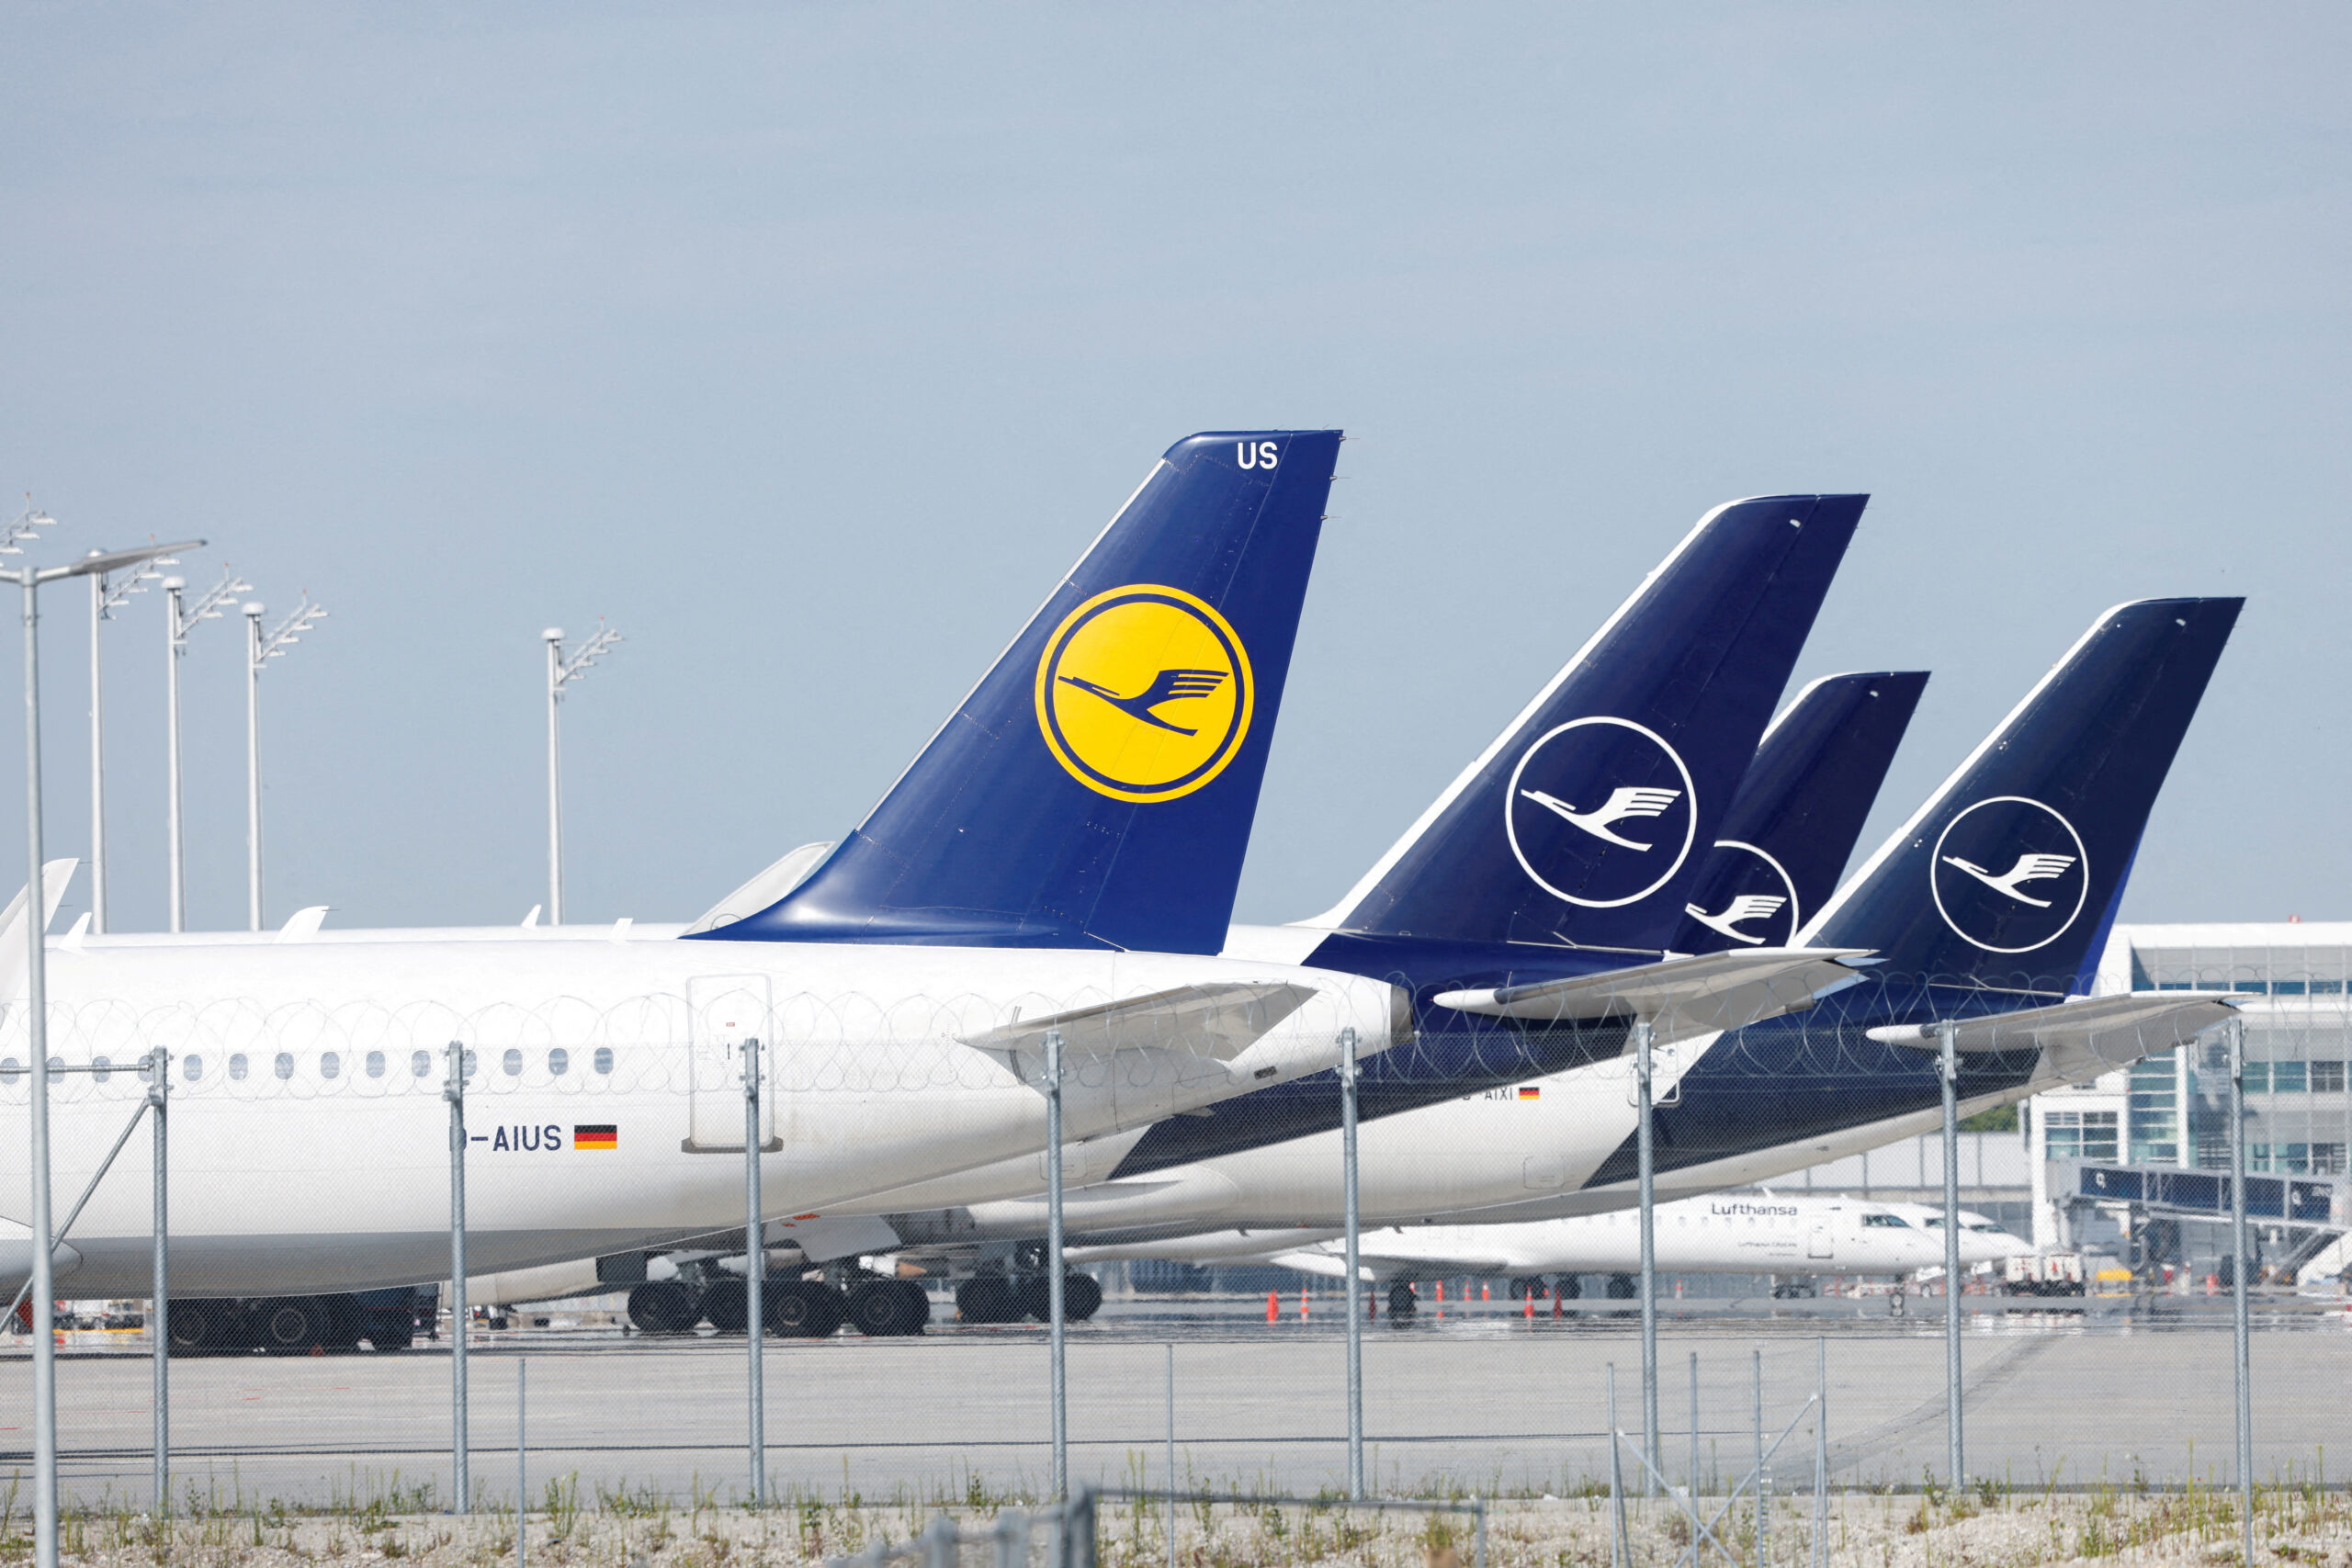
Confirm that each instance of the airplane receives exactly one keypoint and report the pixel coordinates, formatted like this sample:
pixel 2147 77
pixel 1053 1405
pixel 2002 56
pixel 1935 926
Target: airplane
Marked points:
pixel 1754 1232
pixel 1046 864
pixel 2077 762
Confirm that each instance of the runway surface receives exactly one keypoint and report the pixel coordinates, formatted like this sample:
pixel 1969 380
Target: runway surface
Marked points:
pixel 1486 1399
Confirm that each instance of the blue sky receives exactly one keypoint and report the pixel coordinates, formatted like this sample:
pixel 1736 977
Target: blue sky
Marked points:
pixel 808 345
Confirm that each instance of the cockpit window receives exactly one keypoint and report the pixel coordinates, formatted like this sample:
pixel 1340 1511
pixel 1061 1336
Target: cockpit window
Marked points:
pixel 1893 1222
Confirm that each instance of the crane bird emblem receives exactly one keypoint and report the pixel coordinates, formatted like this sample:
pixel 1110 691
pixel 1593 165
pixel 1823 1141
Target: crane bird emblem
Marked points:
pixel 1144 693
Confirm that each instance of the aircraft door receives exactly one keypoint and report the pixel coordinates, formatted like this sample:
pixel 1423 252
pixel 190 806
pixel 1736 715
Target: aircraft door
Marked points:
pixel 1822 1243
pixel 729 1011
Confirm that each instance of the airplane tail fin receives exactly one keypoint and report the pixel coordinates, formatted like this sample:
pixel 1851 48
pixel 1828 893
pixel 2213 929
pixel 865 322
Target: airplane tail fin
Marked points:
pixel 1586 821
pixel 2010 877
pixel 1800 808
pixel 1096 788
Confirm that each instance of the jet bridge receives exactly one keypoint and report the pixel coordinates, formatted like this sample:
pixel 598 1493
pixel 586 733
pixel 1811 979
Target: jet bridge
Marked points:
pixel 2297 1216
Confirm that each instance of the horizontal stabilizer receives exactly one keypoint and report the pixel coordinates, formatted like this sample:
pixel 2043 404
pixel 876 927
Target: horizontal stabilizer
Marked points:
pixel 1680 996
pixel 55 877
pixel 2100 1032
pixel 1218 1020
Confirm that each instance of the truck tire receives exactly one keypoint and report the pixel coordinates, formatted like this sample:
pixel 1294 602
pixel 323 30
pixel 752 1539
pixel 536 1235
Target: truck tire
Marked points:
pixel 663 1306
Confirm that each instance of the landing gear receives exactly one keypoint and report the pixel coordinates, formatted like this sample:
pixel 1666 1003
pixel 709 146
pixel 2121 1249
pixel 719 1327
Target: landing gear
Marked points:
pixel 887 1308
pixel 992 1298
pixel 292 1326
pixel 207 1327
pixel 1623 1288
pixel 663 1306
pixel 988 1298
pixel 801 1309
pixel 1401 1301
pixel 726 1306
pixel 1081 1297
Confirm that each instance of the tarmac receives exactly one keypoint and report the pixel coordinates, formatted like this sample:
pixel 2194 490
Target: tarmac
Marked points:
pixel 1484 1400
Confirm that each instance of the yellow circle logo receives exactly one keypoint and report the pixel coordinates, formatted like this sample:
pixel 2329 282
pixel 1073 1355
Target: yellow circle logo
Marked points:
pixel 1144 693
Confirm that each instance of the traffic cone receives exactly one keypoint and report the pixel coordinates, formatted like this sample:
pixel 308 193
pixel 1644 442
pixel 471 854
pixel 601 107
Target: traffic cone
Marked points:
pixel 1302 1303
pixel 1555 1310
pixel 1529 1312
pixel 1486 1292
pixel 1440 1292
pixel 1273 1308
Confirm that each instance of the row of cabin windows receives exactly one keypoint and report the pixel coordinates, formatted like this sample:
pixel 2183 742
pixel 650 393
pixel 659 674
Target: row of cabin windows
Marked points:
pixel 375 1064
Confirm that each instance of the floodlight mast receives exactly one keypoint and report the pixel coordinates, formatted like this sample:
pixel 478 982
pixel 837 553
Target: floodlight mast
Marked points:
pixel 178 621
pixel 42 1287
pixel 108 593
pixel 561 672
pixel 261 647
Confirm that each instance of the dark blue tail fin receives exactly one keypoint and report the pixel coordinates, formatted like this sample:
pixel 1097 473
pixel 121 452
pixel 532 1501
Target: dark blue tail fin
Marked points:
pixel 2007 876
pixel 1096 789
pixel 1585 823
pixel 1791 828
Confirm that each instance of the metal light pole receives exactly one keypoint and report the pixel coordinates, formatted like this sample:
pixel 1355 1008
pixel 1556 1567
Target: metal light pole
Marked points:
pixel 1355 1285
pixel 106 596
pixel 1953 1457
pixel 1645 1155
pixel 159 1314
pixel 260 648
pixel 561 672
pixel 43 1284
pixel 178 621
pixel 2240 1327
pixel 1054 1258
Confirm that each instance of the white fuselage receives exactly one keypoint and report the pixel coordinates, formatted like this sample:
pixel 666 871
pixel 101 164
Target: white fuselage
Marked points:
pixel 1724 1233
pixel 310 1134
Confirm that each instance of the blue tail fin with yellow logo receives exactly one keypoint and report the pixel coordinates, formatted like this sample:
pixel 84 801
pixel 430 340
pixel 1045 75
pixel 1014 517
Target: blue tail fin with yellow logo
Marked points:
pixel 2010 874
pixel 1586 822
pixel 1097 788
pixel 1792 826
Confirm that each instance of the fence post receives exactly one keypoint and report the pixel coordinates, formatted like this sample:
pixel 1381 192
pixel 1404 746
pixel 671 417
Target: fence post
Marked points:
pixel 1821 1460
pixel 939 1542
pixel 1763 1558
pixel 755 1267
pixel 2240 1327
pixel 1478 1556
pixel 522 1477
pixel 460 1447
pixel 1012 1535
pixel 1355 1285
pixel 1054 1262
pixel 1619 1546
pixel 159 1317
pixel 1691 1476
pixel 1645 1161
pixel 1954 1463
pixel 1078 1528
pixel 1171 1454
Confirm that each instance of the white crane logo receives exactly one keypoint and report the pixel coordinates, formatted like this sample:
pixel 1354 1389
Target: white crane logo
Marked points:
pixel 2029 868
pixel 1622 804
pixel 1743 909
pixel 2032 903
pixel 1630 839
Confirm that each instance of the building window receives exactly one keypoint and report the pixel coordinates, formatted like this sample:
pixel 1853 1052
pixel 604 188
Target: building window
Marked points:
pixel 2257 1077
pixel 2287 1077
pixel 2327 1159
pixel 2080 1134
pixel 2327 1076
pixel 2285 1159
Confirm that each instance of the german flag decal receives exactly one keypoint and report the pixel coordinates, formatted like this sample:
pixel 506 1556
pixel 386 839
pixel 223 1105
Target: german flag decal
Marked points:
pixel 605 1136
pixel 1529 1091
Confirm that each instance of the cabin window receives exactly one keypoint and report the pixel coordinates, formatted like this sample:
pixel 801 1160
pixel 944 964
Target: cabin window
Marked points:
pixel 330 1065
pixel 9 1069
pixel 420 1064
pixel 191 1068
pixel 472 1064
pixel 512 1063
pixel 605 1060
pixel 375 1064
pixel 237 1064
pixel 100 1067
pixel 284 1065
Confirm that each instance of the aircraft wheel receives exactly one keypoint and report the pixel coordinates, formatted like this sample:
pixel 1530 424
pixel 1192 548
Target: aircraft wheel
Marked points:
pixel 1081 1297
pixel 390 1330
pixel 879 1309
pixel 663 1306
pixel 796 1309
pixel 1623 1288
pixel 201 1329
pixel 1401 1301
pixel 988 1298
pixel 918 1303
pixel 727 1305
pixel 1570 1287
pixel 1031 1299
pixel 291 1325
